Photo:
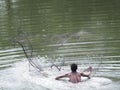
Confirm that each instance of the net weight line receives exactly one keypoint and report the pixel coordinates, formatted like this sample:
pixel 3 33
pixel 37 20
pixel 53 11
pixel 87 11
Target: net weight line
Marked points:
pixel 26 46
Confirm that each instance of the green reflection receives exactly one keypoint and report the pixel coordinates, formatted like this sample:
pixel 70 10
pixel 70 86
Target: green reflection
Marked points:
pixel 49 21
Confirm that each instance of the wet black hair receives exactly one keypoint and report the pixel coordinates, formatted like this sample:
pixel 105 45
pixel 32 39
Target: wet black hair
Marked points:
pixel 73 67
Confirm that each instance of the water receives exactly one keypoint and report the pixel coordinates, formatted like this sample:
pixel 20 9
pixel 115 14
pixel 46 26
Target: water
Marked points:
pixel 85 32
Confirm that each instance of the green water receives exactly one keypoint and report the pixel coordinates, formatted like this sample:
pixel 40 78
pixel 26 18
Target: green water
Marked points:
pixel 69 28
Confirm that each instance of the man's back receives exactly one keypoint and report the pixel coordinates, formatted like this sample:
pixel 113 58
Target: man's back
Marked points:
pixel 74 77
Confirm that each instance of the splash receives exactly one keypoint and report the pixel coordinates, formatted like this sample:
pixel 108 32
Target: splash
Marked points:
pixel 35 60
pixel 19 78
pixel 26 45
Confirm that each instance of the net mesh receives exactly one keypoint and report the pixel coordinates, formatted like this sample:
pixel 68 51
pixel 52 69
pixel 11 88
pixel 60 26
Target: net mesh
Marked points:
pixel 27 48
pixel 22 39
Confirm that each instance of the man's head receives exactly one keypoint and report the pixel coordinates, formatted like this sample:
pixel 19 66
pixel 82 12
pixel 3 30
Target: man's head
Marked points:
pixel 73 67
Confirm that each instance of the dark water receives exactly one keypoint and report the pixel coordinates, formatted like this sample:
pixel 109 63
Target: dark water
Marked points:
pixel 81 31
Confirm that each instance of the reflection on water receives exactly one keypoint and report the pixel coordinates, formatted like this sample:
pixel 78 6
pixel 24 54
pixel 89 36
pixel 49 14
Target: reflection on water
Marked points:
pixel 86 32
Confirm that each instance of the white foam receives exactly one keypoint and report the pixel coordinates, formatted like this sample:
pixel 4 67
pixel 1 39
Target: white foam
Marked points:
pixel 47 79
pixel 19 76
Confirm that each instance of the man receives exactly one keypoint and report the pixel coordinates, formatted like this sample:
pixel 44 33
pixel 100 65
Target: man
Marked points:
pixel 75 76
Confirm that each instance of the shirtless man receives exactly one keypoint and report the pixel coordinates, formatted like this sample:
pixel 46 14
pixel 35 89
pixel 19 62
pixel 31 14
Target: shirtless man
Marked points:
pixel 74 76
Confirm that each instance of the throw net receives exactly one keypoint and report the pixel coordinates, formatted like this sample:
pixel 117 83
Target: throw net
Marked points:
pixel 22 39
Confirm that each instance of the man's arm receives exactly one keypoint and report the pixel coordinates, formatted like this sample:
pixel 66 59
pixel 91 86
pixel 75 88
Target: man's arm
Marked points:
pixel 65 75
pixel 84 75
pixel 89 70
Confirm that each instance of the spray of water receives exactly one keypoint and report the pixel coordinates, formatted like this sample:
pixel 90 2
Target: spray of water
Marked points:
pixel 22 39
pixel 27 48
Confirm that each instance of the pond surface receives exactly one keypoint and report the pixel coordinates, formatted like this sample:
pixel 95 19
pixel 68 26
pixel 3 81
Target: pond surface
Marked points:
pixel 86 32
